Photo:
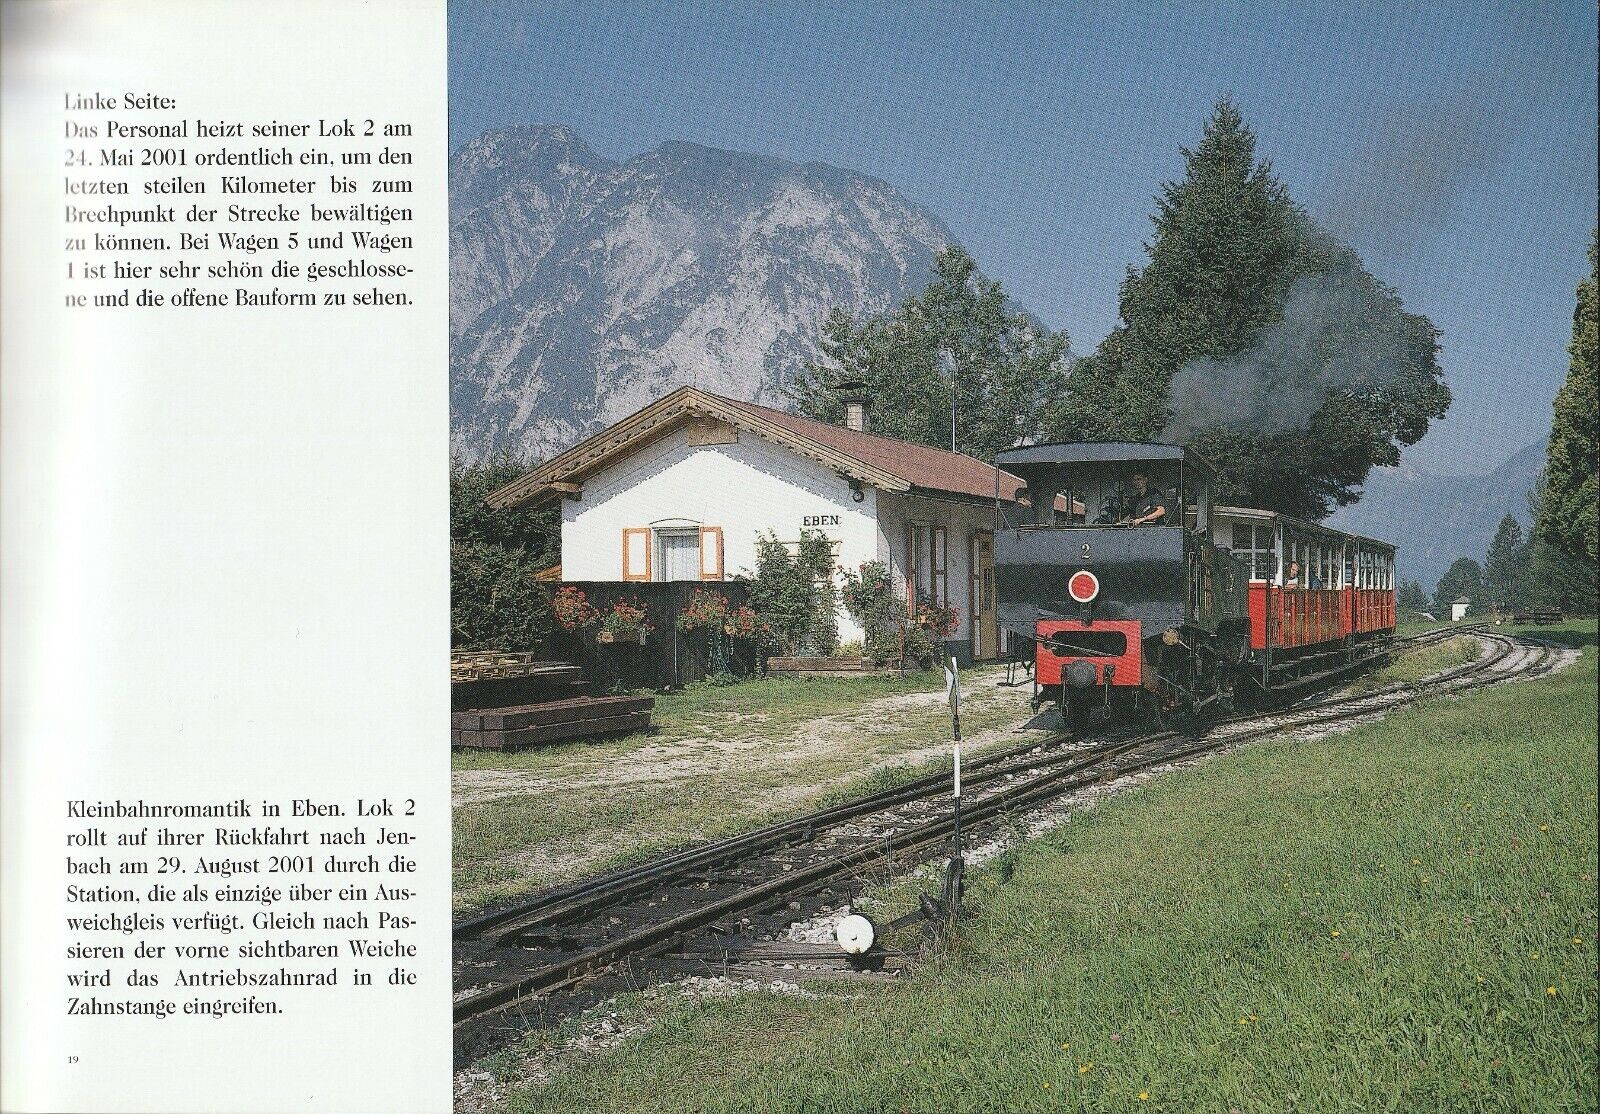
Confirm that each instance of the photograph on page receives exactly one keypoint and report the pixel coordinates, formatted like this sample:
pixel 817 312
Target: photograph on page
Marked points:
pixel 997 556
pixel 1023 557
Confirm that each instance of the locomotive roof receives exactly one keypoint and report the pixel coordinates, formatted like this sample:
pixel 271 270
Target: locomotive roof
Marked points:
pixel 1099 452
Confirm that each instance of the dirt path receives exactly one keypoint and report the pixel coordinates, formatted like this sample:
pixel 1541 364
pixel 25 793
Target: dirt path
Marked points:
pixel 831 737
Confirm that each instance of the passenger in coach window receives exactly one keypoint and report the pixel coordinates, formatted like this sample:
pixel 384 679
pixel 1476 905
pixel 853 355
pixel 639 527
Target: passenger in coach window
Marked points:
pixel 1150 507
pixel 1291 579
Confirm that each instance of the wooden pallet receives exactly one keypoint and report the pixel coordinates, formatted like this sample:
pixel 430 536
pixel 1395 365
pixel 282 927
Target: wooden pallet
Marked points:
pixel 480 665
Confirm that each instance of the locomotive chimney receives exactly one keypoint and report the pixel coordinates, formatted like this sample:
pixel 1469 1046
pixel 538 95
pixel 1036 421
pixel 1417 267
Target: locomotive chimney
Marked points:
pixel 857 406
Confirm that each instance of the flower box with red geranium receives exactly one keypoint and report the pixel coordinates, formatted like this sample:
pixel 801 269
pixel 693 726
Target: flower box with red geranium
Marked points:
pixel 707 610
pixel 626 622
pixel 572 609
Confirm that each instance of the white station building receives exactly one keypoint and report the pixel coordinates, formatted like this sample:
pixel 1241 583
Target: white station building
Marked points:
pixel 681 489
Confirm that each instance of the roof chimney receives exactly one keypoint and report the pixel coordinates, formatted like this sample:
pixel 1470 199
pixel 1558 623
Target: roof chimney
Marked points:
pixel 857 405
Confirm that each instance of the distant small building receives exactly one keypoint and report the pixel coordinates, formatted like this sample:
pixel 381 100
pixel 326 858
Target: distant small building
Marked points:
pixel 681 489
pixel 1459 609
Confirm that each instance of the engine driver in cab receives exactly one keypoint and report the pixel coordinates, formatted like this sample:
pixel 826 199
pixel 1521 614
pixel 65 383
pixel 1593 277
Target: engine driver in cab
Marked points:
pixel 1150 507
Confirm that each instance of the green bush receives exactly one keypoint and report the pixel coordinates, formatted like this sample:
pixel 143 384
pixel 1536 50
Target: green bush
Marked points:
pixel 889 633
pixel 495 602
pixel 870 598
pixel 794 593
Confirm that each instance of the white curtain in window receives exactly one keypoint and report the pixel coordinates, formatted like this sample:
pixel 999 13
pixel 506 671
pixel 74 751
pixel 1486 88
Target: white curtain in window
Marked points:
pixel 678 555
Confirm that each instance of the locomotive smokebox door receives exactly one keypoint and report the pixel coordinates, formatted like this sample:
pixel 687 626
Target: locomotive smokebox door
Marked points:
pixel 1080 674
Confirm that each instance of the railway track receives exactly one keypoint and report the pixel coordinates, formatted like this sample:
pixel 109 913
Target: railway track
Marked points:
pixel 515 960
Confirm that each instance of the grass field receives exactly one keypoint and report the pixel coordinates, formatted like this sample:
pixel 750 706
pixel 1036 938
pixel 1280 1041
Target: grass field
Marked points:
pixel 721 760
pixel 1402 917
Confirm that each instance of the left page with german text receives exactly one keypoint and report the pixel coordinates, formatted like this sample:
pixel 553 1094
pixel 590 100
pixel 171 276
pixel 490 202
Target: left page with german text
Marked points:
pixel 223 508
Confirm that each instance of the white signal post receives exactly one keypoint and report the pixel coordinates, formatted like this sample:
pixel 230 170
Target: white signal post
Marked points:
pixel 954 870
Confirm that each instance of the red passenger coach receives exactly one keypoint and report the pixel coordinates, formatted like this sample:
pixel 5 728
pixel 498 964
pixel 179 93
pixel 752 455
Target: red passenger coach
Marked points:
pixel 1315 593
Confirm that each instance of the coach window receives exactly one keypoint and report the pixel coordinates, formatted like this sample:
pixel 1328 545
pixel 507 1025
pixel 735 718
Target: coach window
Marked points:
pixel 1253 543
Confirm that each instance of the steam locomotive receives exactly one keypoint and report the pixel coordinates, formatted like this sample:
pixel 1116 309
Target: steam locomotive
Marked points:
pixel 1216 608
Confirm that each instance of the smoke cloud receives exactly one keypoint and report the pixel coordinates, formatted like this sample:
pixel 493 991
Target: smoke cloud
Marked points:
pixel 1342 331
pixel 1406 181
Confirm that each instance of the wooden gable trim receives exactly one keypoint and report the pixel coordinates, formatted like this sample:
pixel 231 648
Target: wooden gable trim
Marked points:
pixel 711 431
pixel 684 404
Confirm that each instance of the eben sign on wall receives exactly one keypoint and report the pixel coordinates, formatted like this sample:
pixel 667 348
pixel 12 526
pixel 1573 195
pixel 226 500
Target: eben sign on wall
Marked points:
pixel 819 520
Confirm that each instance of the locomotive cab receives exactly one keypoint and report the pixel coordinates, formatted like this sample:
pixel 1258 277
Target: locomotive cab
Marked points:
pixel 1128 618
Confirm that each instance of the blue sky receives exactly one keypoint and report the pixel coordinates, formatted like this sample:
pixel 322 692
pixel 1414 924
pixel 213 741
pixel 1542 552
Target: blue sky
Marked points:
pixel 1454 146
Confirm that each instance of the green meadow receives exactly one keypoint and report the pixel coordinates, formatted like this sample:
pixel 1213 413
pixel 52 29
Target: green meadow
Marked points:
pixel 1400 917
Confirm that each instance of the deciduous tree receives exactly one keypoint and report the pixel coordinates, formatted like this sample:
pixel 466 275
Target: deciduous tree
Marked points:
pixel 1004 365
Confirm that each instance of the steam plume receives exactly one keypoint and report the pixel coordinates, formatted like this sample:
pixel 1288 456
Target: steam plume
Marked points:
pixel 1342 331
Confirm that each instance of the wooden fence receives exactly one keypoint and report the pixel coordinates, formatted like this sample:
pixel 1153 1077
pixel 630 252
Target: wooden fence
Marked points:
pixel 669 658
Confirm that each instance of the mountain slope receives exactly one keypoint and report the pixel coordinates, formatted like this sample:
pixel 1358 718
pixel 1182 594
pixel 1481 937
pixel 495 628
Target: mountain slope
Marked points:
pixel 582 289
pixel 1436 519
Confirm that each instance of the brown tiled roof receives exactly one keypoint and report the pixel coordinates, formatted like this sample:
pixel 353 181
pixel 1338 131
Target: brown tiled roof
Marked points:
pixel 919 465
pixel 882 462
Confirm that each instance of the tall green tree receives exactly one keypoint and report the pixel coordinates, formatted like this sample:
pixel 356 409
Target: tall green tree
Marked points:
pixel 1254 336
pixel 1462 578
pixel 1557 578
pixel 1504 567
pixel 1004 366
pixel 1221 263
pixel 1569 513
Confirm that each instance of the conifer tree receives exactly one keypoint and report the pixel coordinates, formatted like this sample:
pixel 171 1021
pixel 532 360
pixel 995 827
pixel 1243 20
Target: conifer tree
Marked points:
pixel 1219 269
pixel 1503 566
pixel 1299 371
pixel 1411 597
pixel 1462 578
pixel 1569 506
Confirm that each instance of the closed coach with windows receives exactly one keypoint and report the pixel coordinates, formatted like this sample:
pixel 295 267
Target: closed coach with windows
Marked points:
pixel 1135 595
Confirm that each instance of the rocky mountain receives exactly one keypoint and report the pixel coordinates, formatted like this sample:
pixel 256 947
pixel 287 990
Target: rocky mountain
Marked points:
pixel 1435 519
pixel 582 288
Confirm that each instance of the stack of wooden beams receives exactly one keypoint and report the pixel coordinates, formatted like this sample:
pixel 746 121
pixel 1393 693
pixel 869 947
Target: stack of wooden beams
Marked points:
pixel 501 701
pixel 550 721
